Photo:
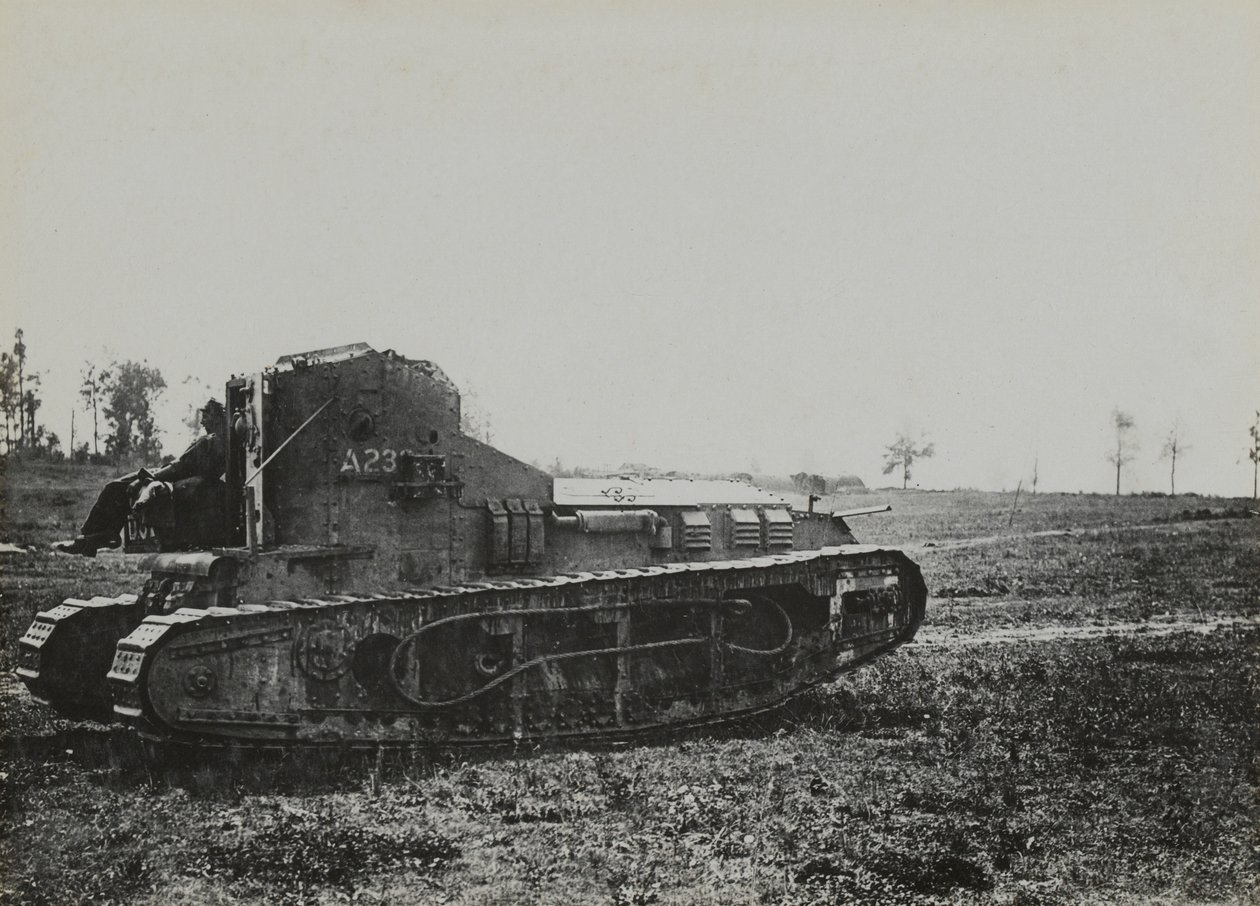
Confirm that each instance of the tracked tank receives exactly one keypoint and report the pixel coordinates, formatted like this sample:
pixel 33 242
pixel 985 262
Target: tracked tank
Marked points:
pixel 373 575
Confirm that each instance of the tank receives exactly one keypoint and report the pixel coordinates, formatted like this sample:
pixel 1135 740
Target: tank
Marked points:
pixel 366 573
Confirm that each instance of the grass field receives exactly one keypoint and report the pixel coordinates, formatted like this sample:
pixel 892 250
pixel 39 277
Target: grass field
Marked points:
pixel 1077 722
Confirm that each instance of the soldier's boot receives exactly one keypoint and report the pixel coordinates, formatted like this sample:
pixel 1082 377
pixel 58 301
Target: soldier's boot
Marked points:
pixel 85 545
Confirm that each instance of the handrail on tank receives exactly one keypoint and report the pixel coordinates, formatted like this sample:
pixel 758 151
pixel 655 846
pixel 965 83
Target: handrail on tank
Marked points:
pixel 276 452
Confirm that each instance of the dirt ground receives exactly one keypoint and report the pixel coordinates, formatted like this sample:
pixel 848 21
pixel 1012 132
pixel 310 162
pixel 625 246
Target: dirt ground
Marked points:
pixel 1077 722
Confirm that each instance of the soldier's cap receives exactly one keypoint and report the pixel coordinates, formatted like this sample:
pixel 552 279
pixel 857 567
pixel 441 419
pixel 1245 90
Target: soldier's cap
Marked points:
pixel 213 407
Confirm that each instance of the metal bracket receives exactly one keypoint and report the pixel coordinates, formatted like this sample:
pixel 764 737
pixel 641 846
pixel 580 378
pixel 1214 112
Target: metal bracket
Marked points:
pixel 424 476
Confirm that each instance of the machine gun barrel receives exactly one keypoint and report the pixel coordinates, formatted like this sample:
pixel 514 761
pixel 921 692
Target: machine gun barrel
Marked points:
pixel 865 511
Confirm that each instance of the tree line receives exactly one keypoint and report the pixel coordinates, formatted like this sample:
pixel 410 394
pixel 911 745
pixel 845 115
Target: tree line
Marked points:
pixel 1125 447
pixel 120 398
pixel 902 453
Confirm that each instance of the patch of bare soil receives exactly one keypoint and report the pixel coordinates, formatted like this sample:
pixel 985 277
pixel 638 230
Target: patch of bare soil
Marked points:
pixel 953 637
pixel 1190 521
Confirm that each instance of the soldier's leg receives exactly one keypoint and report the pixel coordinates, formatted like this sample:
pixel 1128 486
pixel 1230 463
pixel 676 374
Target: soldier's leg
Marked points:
pixel 109 513
pixel 104 524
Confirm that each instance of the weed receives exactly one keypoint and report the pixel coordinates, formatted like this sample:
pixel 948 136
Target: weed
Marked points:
pixel 305 853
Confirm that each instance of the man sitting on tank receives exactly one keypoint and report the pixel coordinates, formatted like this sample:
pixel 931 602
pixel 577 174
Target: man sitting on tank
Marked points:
pixel 204 460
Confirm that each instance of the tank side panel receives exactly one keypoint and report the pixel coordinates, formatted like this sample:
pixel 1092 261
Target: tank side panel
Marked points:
pixel 414 541
pixel 815 530
pixel 570 549
pixel 295 476
pixel 489 473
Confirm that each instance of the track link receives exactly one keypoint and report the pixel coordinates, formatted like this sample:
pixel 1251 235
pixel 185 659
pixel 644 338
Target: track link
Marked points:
pixel 66 651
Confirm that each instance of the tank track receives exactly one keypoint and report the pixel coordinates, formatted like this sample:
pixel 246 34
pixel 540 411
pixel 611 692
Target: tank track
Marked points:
pixel 613 654
pixel 66 651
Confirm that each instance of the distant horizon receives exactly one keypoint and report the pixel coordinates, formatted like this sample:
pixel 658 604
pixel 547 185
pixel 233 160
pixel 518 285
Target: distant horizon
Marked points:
pixel 867 488
pixel 182 397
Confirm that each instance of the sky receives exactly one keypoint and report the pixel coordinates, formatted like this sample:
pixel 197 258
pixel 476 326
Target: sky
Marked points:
pixel 703 236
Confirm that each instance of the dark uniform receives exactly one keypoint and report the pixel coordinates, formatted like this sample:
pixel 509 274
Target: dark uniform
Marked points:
pixel 204 459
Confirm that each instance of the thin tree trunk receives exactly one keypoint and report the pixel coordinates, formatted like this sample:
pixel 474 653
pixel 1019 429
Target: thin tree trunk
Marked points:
pixel 1117 479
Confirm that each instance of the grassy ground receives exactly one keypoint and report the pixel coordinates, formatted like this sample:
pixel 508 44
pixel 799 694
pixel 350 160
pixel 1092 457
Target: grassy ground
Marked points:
pixel 41 502
pixel 965 768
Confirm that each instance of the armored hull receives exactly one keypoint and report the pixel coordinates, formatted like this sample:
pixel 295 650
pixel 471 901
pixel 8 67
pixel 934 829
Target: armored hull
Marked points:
pixel 454 596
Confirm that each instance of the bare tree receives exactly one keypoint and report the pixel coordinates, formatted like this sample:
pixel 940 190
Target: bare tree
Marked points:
pixel 10 401
pixel 1034 476
pixel 19 356
pixel 902 453
pixel 1126 445
pixel 30 403
pixel 92 388
pixel 1173 447
pixel 1254 455
pixel 19 398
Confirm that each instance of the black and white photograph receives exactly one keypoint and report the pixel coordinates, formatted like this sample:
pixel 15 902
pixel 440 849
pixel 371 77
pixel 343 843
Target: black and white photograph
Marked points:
pixel 630 453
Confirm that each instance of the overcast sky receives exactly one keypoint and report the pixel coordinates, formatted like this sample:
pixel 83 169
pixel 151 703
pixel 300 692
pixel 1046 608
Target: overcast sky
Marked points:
pixel 702 236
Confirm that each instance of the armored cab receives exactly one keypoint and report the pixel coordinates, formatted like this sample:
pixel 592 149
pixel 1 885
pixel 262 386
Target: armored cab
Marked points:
pixel 375 575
